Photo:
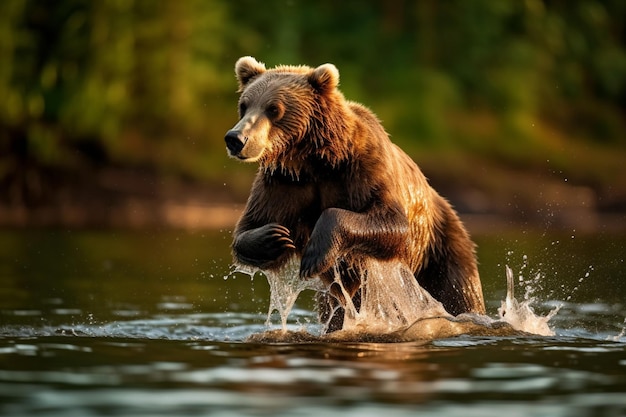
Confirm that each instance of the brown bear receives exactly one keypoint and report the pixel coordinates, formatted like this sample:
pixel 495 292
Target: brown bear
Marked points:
pixel 333 190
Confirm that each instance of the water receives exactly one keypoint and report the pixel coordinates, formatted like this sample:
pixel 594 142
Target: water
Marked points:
pixel 101 323
pixel 390 300
pixel 393 307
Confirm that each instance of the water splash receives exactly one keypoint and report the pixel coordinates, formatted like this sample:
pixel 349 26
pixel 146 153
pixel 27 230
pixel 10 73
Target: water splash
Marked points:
pixel 391 299
pixel 393 308
pixel 393 304
pixel 285 287
pixel 521 315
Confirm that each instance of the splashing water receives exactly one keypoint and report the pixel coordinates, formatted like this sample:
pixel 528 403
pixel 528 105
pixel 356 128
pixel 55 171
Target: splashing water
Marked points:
pixel 391 299
pixel 285 287
pixel 393 303
pixel 521 315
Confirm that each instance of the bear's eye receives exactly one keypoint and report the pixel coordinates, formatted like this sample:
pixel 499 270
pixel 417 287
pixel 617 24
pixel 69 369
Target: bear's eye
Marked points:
pixel 274 111
pixel 242 109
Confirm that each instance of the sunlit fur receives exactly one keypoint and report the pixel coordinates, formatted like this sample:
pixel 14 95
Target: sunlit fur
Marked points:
pixel 331 176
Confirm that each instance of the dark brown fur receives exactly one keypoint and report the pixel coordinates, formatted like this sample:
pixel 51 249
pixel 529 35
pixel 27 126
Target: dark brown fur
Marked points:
pixel 332 189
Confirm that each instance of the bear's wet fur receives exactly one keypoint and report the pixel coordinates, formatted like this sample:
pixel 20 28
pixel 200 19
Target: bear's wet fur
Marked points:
pixel 333 190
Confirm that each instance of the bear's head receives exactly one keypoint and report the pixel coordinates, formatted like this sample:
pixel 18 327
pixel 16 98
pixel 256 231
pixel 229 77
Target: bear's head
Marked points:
pixel 289 116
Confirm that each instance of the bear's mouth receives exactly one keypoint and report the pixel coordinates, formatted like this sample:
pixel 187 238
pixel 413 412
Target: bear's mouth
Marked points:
pixel 251 153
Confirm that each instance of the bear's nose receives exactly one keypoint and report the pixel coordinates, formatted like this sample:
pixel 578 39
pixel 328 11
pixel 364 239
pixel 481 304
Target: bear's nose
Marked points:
pixel 235 141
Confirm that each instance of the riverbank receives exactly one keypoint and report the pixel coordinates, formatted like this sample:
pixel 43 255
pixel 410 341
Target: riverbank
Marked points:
pixel 136 199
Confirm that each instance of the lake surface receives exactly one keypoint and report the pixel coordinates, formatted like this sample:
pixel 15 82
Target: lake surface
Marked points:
pixel 96 323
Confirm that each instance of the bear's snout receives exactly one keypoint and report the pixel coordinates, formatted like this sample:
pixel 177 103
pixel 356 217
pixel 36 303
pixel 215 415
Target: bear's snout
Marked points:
pixel 235 141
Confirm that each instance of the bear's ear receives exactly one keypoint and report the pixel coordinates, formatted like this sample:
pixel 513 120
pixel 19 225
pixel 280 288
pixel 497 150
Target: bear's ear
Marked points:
pixel 246 69
pixel 324 78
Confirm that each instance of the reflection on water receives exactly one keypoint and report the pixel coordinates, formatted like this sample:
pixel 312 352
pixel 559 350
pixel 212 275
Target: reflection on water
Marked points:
pixel 146 324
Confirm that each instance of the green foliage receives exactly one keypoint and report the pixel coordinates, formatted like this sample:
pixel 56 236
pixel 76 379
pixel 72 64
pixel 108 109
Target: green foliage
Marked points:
pixel 150 83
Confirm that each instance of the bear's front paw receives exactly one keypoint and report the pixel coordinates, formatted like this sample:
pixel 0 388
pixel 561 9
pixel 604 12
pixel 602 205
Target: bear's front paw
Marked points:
pixel 261 247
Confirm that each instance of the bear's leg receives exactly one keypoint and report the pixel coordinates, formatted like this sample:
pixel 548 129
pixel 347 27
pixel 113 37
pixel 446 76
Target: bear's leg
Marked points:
pixel 380 232
pixel 330 312
pixel 459 293
pixel 451 277
pixel 331 303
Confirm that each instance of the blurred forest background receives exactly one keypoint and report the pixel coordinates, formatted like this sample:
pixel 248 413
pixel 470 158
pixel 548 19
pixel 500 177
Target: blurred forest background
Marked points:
pixel 113 112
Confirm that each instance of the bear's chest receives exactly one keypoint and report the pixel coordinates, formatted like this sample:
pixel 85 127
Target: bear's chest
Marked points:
pixel 309 196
